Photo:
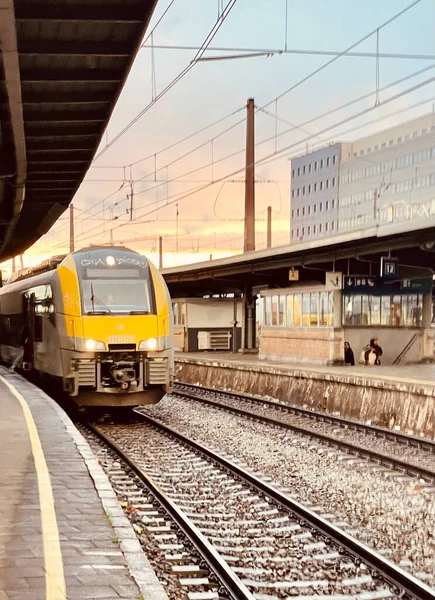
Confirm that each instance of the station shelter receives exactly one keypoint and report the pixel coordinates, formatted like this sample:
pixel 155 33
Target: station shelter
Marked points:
pixel 310 322
pixel 209 323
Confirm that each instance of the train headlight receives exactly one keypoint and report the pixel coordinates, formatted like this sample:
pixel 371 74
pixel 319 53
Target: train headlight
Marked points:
pixel 150 344
pixel 94 345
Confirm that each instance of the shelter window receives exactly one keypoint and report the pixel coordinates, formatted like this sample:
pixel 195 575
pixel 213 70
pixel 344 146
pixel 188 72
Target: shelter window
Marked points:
pixel 400 310
pixel 268 311
pixel 313 309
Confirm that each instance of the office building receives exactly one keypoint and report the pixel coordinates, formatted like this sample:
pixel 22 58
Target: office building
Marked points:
pixel 381 179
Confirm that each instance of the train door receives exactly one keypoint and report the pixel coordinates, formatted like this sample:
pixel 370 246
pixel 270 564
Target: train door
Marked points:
pixel 28 339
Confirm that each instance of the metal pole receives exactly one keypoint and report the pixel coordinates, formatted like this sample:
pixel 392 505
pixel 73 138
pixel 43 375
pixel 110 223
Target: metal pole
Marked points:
pixel 235 325
pixel 249 241
pixel 176 228
pixel 131 199
pixel 269 227
pixel 71 227
pixel 13 265
pixel 160 252
pixel 21 262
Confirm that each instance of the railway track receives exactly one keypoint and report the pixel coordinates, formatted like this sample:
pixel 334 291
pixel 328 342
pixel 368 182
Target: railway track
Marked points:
pixel 394 450
pixel 253 539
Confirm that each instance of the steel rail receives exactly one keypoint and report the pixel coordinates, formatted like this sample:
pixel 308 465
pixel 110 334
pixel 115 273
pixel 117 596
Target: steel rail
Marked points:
pixel 226 576
pixel 410 587
pixel 383 459
pixel 402 438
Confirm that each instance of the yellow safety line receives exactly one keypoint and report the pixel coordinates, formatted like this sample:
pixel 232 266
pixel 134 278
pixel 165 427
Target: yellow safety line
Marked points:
pixel 55 588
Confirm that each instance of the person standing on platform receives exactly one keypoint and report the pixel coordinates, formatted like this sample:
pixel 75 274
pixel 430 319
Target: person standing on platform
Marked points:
pixel 349 358
pixel 373 348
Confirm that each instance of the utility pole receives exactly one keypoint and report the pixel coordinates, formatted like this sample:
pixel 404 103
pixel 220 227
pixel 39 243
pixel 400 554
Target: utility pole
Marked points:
pixel 131 199
pixel 269 227
pixel 111 237
pixel 71 227
pixel 21 262
pixel 176 228
pixel 13 265
pixel 249 239
pixel 160 252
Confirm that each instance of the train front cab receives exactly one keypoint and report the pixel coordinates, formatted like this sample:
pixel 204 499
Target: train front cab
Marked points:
pixel 115 328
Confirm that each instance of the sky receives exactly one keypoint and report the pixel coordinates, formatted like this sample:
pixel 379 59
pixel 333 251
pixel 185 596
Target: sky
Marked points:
pixel 210 215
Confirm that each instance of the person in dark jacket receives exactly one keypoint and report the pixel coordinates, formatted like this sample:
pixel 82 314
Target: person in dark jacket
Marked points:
pixel 376 349
pixel 349 358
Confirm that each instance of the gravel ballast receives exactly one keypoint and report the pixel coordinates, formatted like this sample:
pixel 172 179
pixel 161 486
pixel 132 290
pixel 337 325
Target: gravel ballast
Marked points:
pixel 394 515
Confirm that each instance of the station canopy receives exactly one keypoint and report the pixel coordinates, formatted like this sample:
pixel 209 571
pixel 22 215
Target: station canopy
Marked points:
pixel 63 64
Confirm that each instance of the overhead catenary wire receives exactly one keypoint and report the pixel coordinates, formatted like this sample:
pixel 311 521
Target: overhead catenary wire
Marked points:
pixel 344 52
pixel 265 160
pixel 275 155
pixel 218 24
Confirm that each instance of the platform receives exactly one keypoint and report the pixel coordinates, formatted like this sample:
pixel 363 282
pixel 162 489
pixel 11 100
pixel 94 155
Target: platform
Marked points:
pixel 389 396
pixel 63 533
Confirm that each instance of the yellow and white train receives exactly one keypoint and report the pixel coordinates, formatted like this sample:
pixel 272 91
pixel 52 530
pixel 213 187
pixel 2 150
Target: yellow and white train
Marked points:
pixel 99 321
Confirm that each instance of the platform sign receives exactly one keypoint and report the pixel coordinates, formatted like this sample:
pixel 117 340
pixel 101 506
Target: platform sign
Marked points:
pixel 333 281
pixel 293 275
pixel 389 267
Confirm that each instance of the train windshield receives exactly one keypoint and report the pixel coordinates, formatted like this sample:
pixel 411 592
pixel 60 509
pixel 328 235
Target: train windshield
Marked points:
pixel 127 296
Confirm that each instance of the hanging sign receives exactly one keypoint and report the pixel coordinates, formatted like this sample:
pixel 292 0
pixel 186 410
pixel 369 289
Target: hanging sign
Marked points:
pixel 333 281
pixel 389 267
pixel 293 275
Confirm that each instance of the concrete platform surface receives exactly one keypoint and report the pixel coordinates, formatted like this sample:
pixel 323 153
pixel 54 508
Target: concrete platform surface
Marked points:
pixel 57 506
pixel 423 375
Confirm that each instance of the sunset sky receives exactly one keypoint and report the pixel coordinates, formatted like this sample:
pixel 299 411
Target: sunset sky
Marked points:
pixel 210 220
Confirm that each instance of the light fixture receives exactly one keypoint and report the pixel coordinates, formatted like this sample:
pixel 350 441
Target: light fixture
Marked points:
pixel 150 344
pixel 110 261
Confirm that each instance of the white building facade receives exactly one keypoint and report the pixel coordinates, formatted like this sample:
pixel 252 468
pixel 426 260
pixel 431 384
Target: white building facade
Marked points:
pixel 383 179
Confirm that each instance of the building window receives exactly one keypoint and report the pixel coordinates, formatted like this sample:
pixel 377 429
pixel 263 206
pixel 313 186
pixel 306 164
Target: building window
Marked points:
pixel 293 214
pixel 320 228
pixel 303 191
pixel 299 172
pixel 309 189
pixel 309 230
pixel 315 166
pixel 293 173
pixel 299 191
pixel 424 132
pixel 321 185
pixel 314 228
pixel 293 233
pixel 332 225
pixel 327 205
pixel 315 208
pixel 327 183
pixel 303 231
pixel 303 211
pixel 293 193
pixel 303 170
pixel 322 163
pixel 334 160
pixel 297 212
pixel 326 226
pixel 391 142
pixel 297 232
pixel 333 203
pixel 369 150
pixel 309 168
pixel 321 207
pixel 388 311
pixel 333 182
pixel 315 187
